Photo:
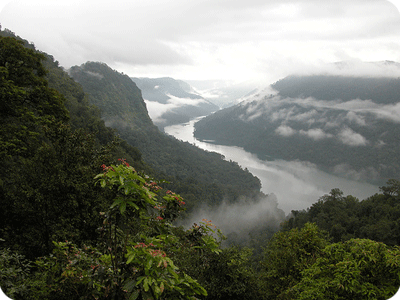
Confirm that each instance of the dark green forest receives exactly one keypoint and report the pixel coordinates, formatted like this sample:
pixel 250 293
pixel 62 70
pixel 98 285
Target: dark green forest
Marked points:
pixel 89 211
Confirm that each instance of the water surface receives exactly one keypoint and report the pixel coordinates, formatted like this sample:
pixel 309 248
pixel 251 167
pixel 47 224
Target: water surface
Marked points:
pixel 297 185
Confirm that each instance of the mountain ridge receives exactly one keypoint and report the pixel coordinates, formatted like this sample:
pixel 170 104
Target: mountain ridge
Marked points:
pixel 170 101
pixel 194 173
pixel 356 137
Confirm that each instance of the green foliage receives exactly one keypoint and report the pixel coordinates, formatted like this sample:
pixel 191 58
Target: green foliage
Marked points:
pixel 392 190
pixel 158 274
pixel 71 272
pixel 356 269
pixel 38 153
pixel 131 260
pixel 125 245
pixel 14 272
pixel 231 276
pixel 27 105
pixel 192 172
pixel 51 195
pixel 136 198
pixel 301 264
pixel 88 117
pixel 43 148
pixel 345 217
pixel 287 255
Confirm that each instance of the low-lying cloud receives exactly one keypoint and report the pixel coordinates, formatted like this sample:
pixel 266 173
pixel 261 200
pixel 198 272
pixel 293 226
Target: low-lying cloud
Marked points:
pixel 241 217
pixel 279 108
pixel 347 171
pixel 316 134
pixel 351 138
pixel 156 109
pixel 285 131
pixel 345 121
pixel 347 136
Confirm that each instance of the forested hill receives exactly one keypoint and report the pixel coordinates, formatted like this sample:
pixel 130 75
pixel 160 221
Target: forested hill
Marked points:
pixel 76 223
pixel 52 149
pixel 52 145
pixel 345 125
pixel 197 175
pixel 117 96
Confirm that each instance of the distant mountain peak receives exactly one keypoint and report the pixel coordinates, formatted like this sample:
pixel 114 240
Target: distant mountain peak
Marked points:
pixel 171 101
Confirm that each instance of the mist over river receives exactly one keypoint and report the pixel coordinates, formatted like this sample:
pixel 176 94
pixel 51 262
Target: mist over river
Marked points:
pixel 297 185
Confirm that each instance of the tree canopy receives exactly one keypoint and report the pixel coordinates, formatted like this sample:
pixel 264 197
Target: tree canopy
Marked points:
pixel 346 217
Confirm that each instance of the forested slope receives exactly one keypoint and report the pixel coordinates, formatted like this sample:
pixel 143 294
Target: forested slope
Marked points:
pixel 76 223
pixel 65 234
pixel 345 125
pixel 194 173
pixel 52 145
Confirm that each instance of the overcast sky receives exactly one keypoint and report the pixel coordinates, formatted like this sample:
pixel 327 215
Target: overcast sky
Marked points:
pixel 208 39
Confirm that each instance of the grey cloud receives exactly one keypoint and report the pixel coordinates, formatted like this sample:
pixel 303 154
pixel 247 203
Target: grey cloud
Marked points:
pixel 357 119
pixel 317 120
pixel 288 109
pixel 261 38
pixel 241 217
pixel 133 52
pixel 348 172
pixel 157 110
pixel 305 117
pixel 356 109
pixel 388 112
pixel 95 74
pixel 316 134
pixel 285 131
pixel 348 137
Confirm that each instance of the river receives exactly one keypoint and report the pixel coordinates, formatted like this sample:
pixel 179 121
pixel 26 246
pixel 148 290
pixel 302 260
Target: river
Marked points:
pixel 297 185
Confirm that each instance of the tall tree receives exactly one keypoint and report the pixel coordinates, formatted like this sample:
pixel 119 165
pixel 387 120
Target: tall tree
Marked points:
pixel 39 152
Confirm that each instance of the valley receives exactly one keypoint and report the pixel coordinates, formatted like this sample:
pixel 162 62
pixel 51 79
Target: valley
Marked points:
pixel 295 184
pixel 347 126
pixel 98 202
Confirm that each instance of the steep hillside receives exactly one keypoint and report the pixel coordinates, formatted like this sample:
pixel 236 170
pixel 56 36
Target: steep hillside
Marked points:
pixel 116 95
pixel 171 101
pixel 200 176
pixel 350 130
pixel 82 115
pixel 52 145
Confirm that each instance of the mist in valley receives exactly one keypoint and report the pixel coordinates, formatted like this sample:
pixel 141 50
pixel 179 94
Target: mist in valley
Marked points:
pixel 295 184
pixel 241 218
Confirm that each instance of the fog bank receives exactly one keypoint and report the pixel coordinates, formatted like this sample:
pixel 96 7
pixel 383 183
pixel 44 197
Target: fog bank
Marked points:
pixel 241 217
